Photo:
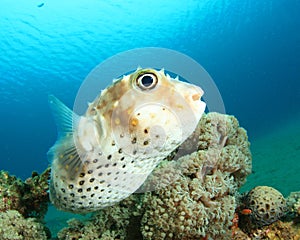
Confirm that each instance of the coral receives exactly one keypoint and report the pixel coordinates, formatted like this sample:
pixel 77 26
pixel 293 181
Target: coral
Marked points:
pixel 30 198
pixel 200 200
pixel 11 192
pixel 275 231
pixel 293 202
pixel 193 193
pixel 14 226
pixel 266 205
pixel 114 222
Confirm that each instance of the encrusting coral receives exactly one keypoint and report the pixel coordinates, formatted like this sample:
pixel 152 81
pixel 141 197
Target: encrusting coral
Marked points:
pixel 276 231
pixel 13 226
pixel 30 198
pixel 23 206
pixel 114 222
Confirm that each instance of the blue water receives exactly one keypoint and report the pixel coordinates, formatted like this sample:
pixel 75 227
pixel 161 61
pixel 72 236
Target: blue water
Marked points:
pixel 251 49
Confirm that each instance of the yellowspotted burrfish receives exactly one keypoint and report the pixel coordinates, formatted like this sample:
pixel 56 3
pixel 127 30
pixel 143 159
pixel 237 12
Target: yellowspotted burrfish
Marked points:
pixel 106 155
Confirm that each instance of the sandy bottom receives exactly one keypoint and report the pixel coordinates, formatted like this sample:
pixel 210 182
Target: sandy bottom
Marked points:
pixel 276 158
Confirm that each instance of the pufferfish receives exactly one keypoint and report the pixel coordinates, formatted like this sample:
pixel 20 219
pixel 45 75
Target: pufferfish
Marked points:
pixel 105 155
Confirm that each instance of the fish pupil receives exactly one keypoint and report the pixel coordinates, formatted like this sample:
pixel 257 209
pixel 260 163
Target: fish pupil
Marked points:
pixel 147 80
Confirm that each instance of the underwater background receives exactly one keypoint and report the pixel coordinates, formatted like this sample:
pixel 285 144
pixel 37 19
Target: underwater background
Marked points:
pixel 251 49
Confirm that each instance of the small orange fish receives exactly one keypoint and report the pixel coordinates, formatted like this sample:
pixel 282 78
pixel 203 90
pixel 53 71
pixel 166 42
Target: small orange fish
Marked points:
pixel 246 211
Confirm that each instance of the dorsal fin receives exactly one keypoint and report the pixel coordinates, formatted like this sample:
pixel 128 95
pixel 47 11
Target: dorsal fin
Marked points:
pixel 66 120
pixel 64 149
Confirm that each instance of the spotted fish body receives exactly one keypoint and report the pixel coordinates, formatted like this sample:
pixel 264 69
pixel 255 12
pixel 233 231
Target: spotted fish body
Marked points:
pixel 107 154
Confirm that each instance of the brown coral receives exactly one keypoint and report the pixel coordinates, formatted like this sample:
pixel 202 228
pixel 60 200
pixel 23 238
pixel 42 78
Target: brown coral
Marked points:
pixel 116 222
pixel 30 198
pixel 14 226
pixel 267 205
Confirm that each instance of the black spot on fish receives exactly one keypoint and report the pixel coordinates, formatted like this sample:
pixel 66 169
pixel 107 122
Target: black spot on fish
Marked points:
pixel 81 182
pixel 81 174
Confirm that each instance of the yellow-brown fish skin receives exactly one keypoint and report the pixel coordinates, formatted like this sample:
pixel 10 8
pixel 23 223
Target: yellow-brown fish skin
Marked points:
pixel 108 153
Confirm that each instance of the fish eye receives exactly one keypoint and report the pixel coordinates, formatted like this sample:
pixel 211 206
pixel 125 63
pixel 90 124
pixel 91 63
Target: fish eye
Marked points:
pixel 146 81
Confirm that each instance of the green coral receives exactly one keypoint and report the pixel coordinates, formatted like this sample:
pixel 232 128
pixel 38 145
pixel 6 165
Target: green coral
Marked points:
pixel 13 226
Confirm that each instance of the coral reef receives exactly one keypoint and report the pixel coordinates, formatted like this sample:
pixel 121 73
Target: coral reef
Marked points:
pixel 276 231
pixel 23 206
pixel 200 202
pixel 30 198
pixel 114 222
pixel 265 204
pixel 194 196
pixel 14 226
